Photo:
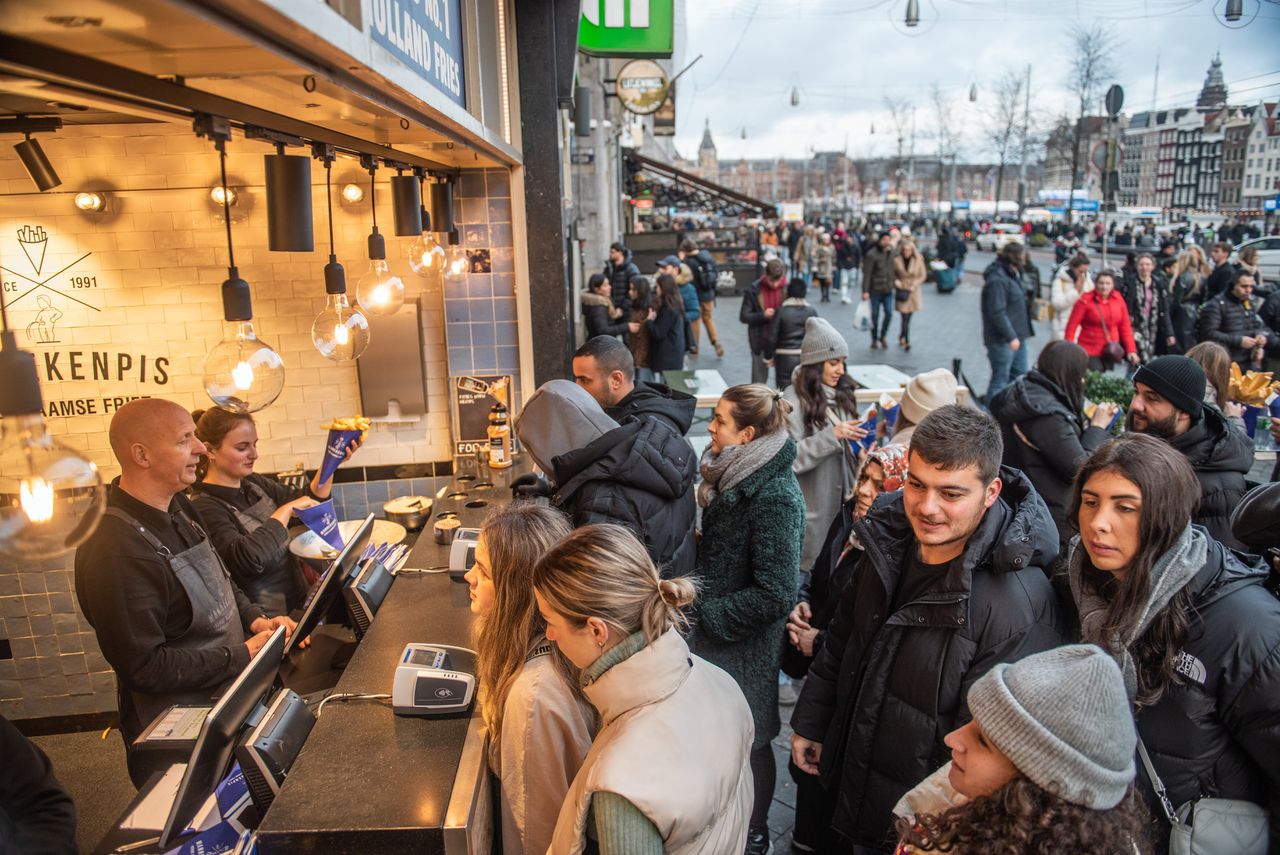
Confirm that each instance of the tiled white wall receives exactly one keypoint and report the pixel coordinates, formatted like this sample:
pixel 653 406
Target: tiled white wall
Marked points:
pixel 159 255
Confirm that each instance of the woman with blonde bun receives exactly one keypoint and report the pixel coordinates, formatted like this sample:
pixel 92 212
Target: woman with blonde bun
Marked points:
pixel 668 771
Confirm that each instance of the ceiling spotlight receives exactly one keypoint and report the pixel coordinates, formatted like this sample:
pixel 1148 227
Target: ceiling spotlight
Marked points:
pixel 352 193
pixel 223 196
pixel 37 164
pixel 91 202
pixel 913 13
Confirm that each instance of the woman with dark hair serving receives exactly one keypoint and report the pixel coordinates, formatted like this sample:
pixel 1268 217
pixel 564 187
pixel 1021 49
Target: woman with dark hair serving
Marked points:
pixel 1195 632
pixel 247 514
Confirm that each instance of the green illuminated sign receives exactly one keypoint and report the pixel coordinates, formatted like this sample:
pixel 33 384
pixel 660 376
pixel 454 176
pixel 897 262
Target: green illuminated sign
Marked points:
pixel 633 28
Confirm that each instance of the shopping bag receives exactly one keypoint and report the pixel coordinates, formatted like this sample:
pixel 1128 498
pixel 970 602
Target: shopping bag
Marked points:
pixel 862 315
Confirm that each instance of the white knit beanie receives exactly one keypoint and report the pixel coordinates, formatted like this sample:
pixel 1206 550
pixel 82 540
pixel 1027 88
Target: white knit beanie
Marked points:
pixel 928 391
pixel 1063 718
pixel 821 342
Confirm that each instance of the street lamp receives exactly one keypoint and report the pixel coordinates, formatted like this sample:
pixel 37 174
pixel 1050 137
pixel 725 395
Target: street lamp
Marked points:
pixel 913 13
pixel 1234 11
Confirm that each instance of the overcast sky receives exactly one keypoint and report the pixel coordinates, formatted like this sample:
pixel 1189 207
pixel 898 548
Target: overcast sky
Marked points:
pixel 845 56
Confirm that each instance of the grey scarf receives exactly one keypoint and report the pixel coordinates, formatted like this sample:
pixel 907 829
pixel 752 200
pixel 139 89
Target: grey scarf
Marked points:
pixel 1169 575
pixel 721 472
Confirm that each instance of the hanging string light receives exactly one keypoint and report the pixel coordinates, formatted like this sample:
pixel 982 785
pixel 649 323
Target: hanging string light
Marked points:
pixel 426 255
pixel 340 332
pixel 379 292
pixel 242 373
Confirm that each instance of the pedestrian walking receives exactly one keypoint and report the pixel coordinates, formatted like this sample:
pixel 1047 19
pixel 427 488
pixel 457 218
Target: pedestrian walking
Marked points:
pixel 950 583
pixel 1006 317
pixel 1223 275
pixel 1147 299
pixel 1046 435
pixel 1070 283
pixel 668 770
pixel 848 260
pixel 1099 323
pixel 1194 630
pixel 760 302
pixel 1046 765
pixel 749 565
pixel 824 265
pixel 877 287
pixel 1188 287
pixel 802 257
pixel 908 281
pixel 538 722
pixel 1168 403
pixel 822 420
pixel 788 332
pixel 705 275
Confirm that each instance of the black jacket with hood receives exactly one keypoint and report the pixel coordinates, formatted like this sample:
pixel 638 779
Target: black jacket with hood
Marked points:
pixel 619 276
pixel 889 685
pixel 1046 439
pixel 656 401
pixel 1221 457
pixel 595 312
pixel 637 474
pixel 1217 733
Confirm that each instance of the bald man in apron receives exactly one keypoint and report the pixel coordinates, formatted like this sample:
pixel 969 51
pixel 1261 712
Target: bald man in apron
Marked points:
pixel 167 615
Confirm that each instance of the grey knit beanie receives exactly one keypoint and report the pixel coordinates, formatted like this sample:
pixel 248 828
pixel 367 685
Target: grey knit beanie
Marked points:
pixel 821 342
pixel 1062 717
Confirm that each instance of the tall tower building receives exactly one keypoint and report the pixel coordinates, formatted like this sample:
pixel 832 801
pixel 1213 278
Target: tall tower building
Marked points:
pixel 1214 94
pixel 708 163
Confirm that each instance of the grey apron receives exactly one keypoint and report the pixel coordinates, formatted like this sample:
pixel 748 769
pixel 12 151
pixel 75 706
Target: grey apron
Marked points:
pixel 279 587
pixel 215 622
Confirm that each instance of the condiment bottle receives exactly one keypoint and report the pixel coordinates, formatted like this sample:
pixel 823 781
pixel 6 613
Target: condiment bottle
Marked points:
pixel 499 433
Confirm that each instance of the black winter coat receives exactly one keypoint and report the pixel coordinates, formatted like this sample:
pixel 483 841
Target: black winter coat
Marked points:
pixel 639 475
pixel 656 401
pixel 1047 440
pixel 36 814
pixel 595 311
pixel 759 328
pixel 1005 314
pixel 888 686
pixel 1220 280
pixel 1218 732
pixel 1226 320
pixel 1221 457
pixel 666 340
pixel 848 253
pixel 877 271
pixel 619 276
pixel 788 326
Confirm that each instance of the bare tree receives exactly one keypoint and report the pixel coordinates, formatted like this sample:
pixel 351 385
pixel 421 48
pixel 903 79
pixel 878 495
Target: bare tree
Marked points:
pixel 900 110
pixel 1002 124
pixel 945 136
pixel 1092 65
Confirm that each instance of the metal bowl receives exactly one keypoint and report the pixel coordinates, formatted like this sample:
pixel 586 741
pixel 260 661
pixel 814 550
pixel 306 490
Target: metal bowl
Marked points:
pixel 412 512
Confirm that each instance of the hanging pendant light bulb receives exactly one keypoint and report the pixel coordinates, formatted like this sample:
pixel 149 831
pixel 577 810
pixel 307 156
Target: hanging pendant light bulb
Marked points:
pixel 379 291
pixel 795 96
pixel 426 255
pixel 458 265
pixel 913 13
pixel 340 332
pixel 241 374
pixel 51 496
pixel 1234 10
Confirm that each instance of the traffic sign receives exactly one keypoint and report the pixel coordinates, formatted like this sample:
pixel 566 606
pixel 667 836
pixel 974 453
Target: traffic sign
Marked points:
pixel 1098 155
pixel 1115 100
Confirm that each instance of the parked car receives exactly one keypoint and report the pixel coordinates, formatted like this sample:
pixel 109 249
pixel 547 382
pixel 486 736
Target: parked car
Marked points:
pixel 1268 256
pixel 1000 234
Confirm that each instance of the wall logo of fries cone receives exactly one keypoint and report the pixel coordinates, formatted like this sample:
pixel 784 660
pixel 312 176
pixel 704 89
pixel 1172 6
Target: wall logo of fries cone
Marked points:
pixel 34 243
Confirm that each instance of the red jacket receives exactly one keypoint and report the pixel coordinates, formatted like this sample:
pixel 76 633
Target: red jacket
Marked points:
pixel 1084 328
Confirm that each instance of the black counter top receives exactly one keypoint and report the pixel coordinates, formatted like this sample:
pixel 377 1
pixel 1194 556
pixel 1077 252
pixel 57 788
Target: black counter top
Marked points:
pixel 368 781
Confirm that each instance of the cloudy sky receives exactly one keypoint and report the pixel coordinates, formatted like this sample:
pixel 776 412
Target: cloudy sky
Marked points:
pixel 843 57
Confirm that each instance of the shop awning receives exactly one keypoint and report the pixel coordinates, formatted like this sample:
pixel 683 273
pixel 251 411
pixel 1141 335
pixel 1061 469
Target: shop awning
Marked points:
pixel 669 187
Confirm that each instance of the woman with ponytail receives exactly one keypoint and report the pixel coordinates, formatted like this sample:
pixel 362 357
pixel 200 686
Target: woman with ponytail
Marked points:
pixel 539 724
pixel 247 514
pixel 748 567
pixel 668 770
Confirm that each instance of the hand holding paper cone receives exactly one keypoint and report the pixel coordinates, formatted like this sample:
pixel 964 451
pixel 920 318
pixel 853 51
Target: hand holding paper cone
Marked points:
pixel 345 437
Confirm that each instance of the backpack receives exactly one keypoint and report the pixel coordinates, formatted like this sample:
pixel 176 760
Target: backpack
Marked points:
pixel 705 274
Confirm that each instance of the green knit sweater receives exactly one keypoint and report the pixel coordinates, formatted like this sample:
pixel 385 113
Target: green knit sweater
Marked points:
pixel 617 826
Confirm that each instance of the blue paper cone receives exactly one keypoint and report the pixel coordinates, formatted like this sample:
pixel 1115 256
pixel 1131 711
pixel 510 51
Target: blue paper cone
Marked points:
pixel 323 521
pixel 335 451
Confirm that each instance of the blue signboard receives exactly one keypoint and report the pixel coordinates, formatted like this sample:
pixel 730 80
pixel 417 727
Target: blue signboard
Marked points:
pixel 1271 204
pixel 425 35
pixel 1086 205
pixel 961 204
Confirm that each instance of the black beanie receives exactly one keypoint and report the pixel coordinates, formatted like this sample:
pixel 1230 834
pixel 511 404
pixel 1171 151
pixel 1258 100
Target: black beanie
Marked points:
pixel 1179 379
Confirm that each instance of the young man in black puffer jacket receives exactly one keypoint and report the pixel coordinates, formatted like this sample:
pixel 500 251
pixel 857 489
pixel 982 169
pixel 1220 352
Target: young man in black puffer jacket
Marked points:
pixel 1232 320
pixel 788 331
pixel 951 583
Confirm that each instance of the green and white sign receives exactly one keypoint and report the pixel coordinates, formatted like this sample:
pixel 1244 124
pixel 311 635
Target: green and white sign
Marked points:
pixel 627 28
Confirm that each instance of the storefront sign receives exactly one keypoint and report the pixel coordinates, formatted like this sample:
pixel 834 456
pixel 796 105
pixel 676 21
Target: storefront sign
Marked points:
pixel 425 35
pixel 472 401
pixel 582 158
pixel 642 86
pixel 626 28
pixel 51 294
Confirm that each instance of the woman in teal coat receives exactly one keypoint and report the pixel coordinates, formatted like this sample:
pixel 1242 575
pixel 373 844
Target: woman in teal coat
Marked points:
pixel 748 565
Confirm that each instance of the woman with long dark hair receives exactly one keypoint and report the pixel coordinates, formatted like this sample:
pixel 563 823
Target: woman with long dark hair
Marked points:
pixel 247 515
pixel 1046 434
pixel 1195 631
pixel 1045 765
pixel 666 325
pixel 639 339
pixel 538 722
pixel 822 420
